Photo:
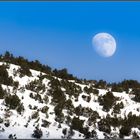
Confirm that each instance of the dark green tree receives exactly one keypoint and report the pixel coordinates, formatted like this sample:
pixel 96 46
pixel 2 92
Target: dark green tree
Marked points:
pixel 12 101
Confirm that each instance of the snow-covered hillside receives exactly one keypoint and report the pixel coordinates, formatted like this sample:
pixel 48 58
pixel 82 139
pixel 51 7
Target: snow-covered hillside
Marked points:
pixel 44 106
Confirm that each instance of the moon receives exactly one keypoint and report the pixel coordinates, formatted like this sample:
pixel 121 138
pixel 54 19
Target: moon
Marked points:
pixel 104 44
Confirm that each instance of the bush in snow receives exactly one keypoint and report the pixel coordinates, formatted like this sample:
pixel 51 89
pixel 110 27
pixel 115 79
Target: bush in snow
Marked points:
pixel 107 101
pixel 37 97
pixel 22 89
pixel 36 86
pixel 45 123
pixel 77 124
pixel 59 116
pixel 69 106
pixel 71 88
pixel 116 88
pixel 7 123
pixel 12 136
pixel 101 84
pixel 92 117
pixel 45 110
pixel 58 96
pixel 63 74
pixel 54 83
pixel 78 110
pixel 125 131
pixel 64 131
pixel 4 76
pixel 37 133
pixel 130 121
pixel 12 101
pixel 104 126
pixel 86 98
pixel 1 120
pixel 35 114
pixel 46 99
pixel 2 92
pixel 117 107
pixel 68 120
pixel 24 70
pixel 136 92
pixel 93 134
pixel 91 90
pixel 95 91
pixel 20 108
pixel 16 84
pixel 135 135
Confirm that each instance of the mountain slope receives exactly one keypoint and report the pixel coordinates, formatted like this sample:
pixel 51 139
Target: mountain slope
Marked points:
pixel 35 104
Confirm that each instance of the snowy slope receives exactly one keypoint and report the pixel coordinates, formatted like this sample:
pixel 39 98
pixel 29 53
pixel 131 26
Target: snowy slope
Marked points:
pixel 23 125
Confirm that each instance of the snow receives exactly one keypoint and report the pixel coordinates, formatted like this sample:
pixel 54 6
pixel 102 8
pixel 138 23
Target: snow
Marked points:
pixel 18 122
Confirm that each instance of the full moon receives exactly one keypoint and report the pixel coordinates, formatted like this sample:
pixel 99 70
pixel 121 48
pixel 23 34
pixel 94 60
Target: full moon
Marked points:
pixel 104 44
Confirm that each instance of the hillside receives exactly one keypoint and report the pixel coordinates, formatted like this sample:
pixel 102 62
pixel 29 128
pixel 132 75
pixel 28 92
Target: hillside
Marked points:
pixel 38 102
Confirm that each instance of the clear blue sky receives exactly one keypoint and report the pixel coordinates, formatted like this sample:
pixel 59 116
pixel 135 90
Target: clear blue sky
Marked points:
pixel 60 34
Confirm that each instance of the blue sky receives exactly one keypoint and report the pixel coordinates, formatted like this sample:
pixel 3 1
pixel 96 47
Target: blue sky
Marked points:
pixel 60 34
